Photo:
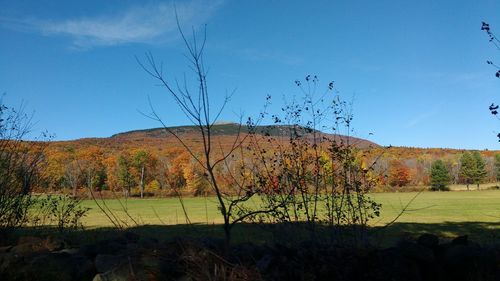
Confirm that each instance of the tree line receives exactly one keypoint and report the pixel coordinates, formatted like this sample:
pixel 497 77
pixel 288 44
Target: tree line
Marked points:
pixel 404 167
pixel 472 171
pixel 146 171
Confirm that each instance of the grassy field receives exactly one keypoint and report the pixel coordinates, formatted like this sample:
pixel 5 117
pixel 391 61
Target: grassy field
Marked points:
pixel 461 187
pixel 447 214
pixel 428 207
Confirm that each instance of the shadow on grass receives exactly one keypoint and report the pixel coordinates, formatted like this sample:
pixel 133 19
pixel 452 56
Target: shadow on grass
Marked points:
pixel 483 232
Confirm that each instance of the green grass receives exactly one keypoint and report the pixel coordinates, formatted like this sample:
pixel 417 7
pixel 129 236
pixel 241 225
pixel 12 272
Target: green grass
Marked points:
pixel 446 214
pixel 461 187
pixel 428 207
pixel 440 207
pixel 154 211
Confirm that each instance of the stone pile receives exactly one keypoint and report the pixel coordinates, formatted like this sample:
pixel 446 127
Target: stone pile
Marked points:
pixel 133 257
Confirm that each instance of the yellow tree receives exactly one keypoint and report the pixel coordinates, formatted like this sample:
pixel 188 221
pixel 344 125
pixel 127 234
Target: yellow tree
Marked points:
pixel 90 163
pixel 54 170
pixel 110 163
pixel 143 164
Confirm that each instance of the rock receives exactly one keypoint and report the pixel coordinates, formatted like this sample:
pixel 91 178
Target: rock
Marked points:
pixel 460 254
pixel 5 249
pixel 460 240
pixel 132 247
pixel 28 249
pixel 4 237
pixel 416 251
pixel 54 244
pixel 133 257
pixel 125 272
pixel 183 278
pixel 118 274
pixel 8 261
pixel 98 277
pixel 428 240
pixel 391 264
pixel 150 261
pixel 248 252
pixel 104 262
pixel 108 247
pixel 469 262
pixel 70 251
pixel 28 245
pixel 29 240
pixel 148 243
pixel 264 263
pixel 131 236
pixel 217 245
pixel 60 267
pixel 85 268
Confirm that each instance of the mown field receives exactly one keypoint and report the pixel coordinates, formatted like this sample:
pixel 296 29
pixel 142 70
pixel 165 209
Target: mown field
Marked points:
pixel 427 207
pixel 446 214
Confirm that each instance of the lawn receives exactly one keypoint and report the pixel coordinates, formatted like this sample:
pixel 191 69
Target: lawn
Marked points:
pixel 427 207
pixel 447 214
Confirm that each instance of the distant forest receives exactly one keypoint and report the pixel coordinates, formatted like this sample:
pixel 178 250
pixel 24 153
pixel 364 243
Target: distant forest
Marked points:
pixel 152 161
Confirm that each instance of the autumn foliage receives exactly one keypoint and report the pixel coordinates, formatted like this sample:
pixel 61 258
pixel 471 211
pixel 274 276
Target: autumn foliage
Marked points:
pixel 399 174
pixel 110 164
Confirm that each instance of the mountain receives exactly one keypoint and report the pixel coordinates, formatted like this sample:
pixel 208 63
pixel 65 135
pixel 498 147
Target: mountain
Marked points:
pixel 232 129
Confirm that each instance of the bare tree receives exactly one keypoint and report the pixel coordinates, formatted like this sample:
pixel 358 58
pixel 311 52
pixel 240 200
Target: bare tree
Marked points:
pixel 496 42
pixel 72 176
pixel 197 107
pixel 20 160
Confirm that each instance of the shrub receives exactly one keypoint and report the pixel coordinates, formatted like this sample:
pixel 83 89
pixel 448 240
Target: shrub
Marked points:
pixel 61 210
pixel 153 186
pixel 312 177
pixel 19 165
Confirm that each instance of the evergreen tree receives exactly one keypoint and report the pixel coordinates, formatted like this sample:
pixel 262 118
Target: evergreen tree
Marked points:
pixel 440 177
pixel 480 168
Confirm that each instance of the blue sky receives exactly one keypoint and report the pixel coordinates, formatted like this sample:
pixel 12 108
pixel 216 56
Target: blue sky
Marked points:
pixel 416 70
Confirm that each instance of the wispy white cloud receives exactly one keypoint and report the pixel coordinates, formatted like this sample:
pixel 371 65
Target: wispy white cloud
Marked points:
pixel 137 24
pixel 420 118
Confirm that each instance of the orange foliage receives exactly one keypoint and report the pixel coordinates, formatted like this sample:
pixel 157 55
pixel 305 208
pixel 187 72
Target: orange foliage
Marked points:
pixel 172 168
pixel 399 174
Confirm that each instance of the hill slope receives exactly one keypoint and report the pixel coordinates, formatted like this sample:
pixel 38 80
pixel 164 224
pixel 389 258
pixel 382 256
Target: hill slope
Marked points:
pixel 232 129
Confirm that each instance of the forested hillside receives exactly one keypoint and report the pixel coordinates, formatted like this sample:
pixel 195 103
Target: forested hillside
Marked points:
pixel 156 159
